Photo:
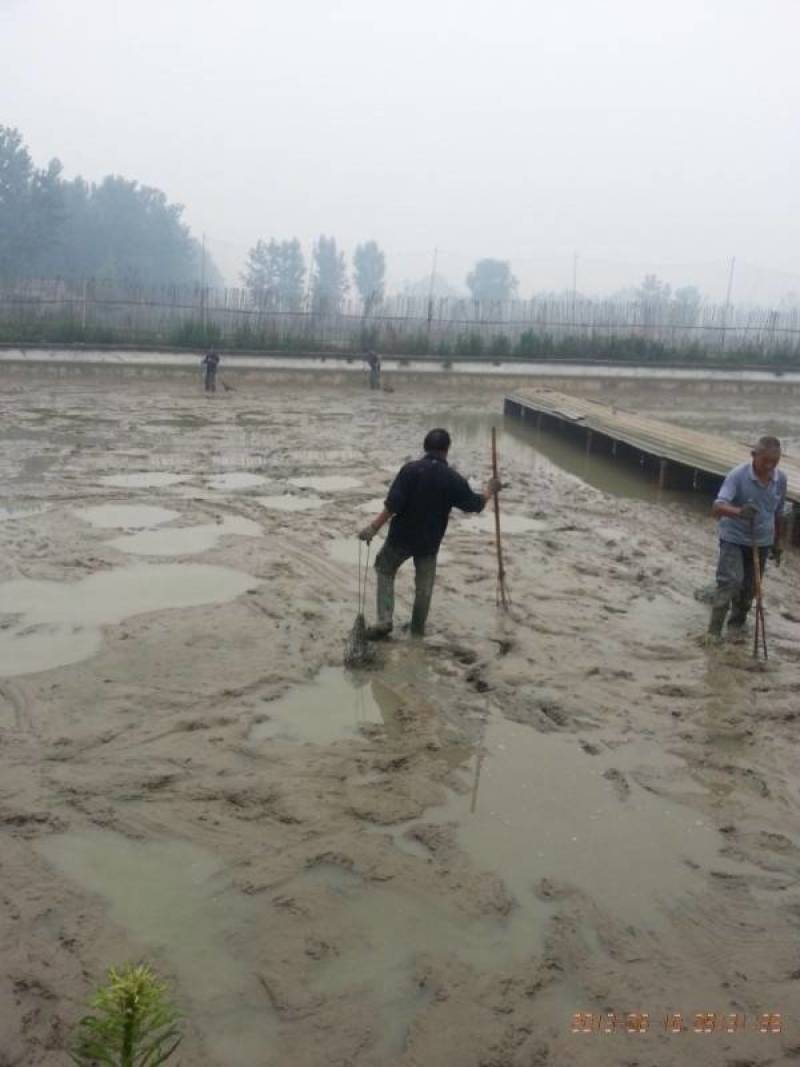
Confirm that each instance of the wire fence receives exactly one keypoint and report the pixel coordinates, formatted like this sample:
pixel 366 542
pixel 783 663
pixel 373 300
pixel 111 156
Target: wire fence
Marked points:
pixel 240 318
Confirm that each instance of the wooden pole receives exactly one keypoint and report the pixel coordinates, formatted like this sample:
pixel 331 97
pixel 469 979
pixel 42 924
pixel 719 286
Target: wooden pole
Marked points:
pixel 759 632
pixel 502 598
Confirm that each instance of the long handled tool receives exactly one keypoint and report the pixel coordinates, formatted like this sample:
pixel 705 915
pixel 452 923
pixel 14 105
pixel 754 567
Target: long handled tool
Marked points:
pixel 760 632
pixel 503 599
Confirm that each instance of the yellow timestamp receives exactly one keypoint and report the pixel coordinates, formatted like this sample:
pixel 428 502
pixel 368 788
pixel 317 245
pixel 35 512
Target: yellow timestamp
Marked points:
pixel 676 1022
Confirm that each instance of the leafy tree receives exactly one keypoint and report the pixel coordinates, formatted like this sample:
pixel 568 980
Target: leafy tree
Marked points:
pixel 370 269
pixel 31 206
pixel 275 273
pixel 329 279
pixel 117 230
pixel 653 298
pixel 686 303
pixel 492 280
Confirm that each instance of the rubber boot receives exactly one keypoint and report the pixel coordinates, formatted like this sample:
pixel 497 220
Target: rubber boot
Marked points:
pixel 717 621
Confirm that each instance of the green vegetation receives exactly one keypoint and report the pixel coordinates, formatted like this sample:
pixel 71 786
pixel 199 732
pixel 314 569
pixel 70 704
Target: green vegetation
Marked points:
pixel 115 230
pixel 134 1024
pixel 392 340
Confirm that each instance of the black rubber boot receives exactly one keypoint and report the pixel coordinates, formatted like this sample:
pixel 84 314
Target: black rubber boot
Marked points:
pixel 717 621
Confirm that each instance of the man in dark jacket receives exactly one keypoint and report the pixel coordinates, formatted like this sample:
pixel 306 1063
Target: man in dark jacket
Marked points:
pixel 210 362
pixel 418 504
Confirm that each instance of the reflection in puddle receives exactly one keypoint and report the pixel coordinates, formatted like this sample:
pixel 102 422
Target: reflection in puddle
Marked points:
pixel 59 622
pixel 541 809
pixel 175 899
pixel 333 706
pixel 290 502
pixel 236 480
pixel 541 450
pixel 185 540
pixel 323 483
pixel 126 516
pixel 142 479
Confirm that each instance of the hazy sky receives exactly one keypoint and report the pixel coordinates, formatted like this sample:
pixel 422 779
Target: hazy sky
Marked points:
pixel 646 136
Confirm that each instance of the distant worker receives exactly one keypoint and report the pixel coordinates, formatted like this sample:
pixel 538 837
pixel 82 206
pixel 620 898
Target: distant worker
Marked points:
pixel 418 504
pixel 210 361
pixel 749 507
pixel 374 364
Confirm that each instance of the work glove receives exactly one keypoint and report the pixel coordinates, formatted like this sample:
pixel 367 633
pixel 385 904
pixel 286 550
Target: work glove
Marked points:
pixel 776 555
pixel 749 511
pixel 494 485
pixel 367 533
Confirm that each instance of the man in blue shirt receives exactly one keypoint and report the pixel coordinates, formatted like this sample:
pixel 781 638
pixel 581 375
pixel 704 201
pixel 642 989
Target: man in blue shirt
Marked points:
pixel 418 504
pixel 749 507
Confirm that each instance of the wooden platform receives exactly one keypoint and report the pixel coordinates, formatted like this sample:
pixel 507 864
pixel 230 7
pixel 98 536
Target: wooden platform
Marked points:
pixel 679 457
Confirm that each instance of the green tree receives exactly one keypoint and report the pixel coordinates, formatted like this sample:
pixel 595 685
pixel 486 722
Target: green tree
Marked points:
pixel 370 270
pixel 329 279
pixel 653 298
pixel 31 207
pixel 686 303
pixel 492 280
pixel 117 230
pixel 275 273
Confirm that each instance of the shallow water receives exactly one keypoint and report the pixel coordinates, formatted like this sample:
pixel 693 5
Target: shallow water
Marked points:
pixel 335 705
pixel 385 937
pixel 290 502
pixel 326 483
pixel 185 540
pixel 174 900
pixel 126 516
pixel 538 806
pixel 236 480
pixel 532 449
pixel 59 622
pixel 142 479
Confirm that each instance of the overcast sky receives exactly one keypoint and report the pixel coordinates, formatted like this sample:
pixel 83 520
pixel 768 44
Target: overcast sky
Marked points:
pixel 644 136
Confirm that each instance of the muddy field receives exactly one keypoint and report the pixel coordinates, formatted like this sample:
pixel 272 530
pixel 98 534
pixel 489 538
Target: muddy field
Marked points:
pixel 432 863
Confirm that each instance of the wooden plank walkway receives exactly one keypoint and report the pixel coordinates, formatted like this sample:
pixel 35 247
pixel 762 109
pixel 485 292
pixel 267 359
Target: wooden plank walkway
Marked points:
pixel 681 456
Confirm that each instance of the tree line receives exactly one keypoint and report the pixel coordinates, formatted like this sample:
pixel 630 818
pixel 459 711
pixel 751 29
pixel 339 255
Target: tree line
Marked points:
pixel 115 229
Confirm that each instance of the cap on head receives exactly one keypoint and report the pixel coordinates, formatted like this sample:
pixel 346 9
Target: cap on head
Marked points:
pixel 436 441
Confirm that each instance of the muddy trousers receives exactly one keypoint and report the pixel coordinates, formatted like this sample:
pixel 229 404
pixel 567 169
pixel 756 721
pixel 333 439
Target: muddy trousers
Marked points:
pixel 374 378
pixel 211 382
pixel 387 563
pixel 735 585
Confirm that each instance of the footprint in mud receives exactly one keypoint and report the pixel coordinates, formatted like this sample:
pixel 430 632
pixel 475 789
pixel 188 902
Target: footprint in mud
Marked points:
pixel 619 781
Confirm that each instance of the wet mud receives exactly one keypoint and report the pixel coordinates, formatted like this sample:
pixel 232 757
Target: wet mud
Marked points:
pixel 436 861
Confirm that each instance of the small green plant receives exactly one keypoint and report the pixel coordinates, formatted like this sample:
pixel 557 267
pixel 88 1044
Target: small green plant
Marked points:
pixel 135 1024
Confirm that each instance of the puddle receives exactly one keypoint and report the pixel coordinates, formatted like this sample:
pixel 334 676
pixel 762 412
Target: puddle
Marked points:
pixel 290 502
pixel 59 622
pixel 185 540
pixel 23 511
pixel 325 483
pixel 174 899
pixel 142 479
pixel 126 516
pixel 542 808
pixel 236 480
pixel 509 524
pixel 335 705
pixel 345 550
pixel 372 507
pixel 380 961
